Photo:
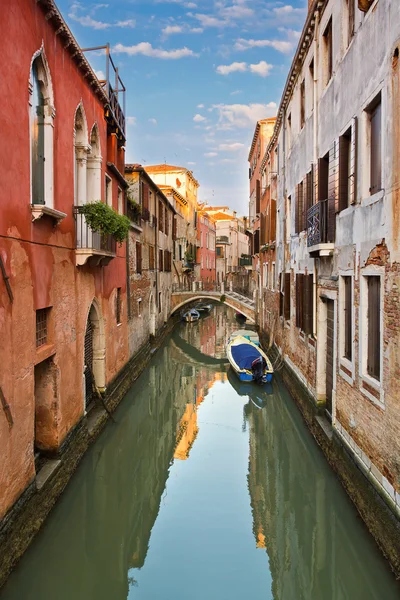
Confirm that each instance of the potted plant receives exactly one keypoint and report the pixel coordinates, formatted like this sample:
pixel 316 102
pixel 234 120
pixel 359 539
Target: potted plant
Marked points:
pixel 134 207
pixel 102 219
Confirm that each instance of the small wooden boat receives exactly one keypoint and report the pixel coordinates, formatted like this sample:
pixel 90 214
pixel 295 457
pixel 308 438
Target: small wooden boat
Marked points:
pixel 249 334
pixel 241 318
pixel 203 308
pixel 191 315
pixel 248 361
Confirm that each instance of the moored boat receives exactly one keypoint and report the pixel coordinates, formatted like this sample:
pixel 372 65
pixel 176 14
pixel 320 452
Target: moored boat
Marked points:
pixel 191 315
pixel 249 334
pixel 203 308
pixel 249 361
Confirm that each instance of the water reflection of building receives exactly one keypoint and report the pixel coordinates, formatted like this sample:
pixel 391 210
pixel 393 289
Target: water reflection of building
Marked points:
pixel 301 517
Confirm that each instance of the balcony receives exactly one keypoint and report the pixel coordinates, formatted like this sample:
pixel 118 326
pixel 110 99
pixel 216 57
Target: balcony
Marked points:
pixel 92 248
pixel 222 239
pixel 321 228
pixel 245 260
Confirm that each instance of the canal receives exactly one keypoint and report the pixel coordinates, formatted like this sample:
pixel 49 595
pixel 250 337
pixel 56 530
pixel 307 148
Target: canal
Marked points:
pixel 203 489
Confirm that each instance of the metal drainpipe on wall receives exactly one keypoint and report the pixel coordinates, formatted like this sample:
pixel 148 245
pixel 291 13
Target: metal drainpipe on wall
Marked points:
pixel 315 117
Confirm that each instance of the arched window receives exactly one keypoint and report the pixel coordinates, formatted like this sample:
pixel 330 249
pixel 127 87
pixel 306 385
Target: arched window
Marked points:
pixel 41 132
pixel 94 159
pixel 81 155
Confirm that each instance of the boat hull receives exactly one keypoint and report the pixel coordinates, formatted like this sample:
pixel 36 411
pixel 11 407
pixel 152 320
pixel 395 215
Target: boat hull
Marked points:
pixel 243 365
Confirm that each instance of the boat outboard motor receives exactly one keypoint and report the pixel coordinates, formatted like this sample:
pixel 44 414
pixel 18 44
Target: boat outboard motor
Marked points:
pixel 257 367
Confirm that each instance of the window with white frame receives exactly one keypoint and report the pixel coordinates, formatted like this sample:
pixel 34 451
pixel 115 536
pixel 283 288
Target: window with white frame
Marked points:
pixel 120 202
pixel 108 190
pixel 42 113
pixel 94 160
pixel 346 323
pixel 372 324
pixel 273 276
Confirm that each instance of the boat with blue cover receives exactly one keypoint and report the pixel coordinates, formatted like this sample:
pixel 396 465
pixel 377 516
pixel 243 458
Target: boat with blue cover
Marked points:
pixel 249 334
pixel 249 361
pixel 191 315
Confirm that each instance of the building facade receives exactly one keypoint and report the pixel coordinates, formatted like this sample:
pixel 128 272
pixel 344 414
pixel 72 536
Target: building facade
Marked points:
pixel 63 299
pixel 180 186
pixel 336 145
pixel 150 256
pixel 206 233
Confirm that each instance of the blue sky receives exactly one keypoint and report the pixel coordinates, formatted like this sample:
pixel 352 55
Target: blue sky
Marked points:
pixel 199 74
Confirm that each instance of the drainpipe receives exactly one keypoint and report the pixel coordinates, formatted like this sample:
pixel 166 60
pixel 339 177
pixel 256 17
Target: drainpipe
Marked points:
pixel 316 153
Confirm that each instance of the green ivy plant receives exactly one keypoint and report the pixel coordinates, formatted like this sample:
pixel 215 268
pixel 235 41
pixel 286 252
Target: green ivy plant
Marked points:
pixel 102 219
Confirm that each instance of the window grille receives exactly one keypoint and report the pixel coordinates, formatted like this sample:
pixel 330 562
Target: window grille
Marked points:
pixel 41 327
pixel 118 306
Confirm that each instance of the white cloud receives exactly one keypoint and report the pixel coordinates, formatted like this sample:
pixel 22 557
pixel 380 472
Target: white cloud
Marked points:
pixel 234 147
pixel 199 118
pixel 127 23
pixel 131 120
pixel 100 75
pixel 280 45
pixel 147 49
pixel 236 92
pixel 262 68
pixel 196 30
pixel 243 115
pixel 169 29
pixel 211 154
pixel 208 21
pixel 235 66
pixel 191 163
pixel 153 121
pixel 237 11
pixel 88 20
pixel 200 106
pixel 288 9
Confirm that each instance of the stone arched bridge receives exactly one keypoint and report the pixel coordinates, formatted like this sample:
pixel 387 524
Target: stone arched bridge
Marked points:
pixel 240 303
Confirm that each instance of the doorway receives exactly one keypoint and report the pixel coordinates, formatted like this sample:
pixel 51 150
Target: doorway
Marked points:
pixel 330 332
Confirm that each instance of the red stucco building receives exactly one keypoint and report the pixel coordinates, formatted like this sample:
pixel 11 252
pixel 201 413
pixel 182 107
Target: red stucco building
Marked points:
pixel 63 302
pixel 206 250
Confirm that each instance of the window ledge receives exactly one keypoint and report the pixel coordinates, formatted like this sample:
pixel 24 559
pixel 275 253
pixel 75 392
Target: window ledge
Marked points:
pixel 346 370
pixel 374 198
pixel 44 352
pixel 40 210
pixel 372 389
pixel 136 227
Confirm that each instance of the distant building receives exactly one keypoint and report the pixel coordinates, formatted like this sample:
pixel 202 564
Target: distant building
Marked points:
pixel 150 256
pixel 180 186
pixel 206 234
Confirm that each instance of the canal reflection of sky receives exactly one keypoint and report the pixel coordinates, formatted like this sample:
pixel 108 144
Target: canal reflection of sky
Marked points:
pixel 203 489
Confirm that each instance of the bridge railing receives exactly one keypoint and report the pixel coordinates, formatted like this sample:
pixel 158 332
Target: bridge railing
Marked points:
pixel 221 288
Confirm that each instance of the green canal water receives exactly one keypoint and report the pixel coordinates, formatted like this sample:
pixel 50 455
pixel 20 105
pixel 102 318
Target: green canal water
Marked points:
pixel 203 489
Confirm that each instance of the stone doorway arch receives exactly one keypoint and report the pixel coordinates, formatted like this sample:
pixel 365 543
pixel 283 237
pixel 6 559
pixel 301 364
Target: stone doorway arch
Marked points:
pixel 94 360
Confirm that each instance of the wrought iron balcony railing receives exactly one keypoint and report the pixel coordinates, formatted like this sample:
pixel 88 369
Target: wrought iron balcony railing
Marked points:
pixel 320 223
pixel 245 261
pixel 92 243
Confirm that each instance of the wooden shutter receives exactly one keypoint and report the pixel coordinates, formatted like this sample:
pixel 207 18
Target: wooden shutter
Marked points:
pixel 138 257
pixel 347 318
pixel 151 258
pixel 257 241
pixel 333 184
pixel 308 305
pixel 344 150
pixel 296 210
pixel 315 197
pixel 174 226
pixel 160 216
pixel 281 295
pixel 166 228
pixel 258 196
pixel 323 172
pixel 353 161
pixel 287 297
pixel 273 221
pixel 160 260
pixel 299 300
pixel 262 230
pixel 145 193
pixel 303 212
pixel 374 326
pixel 376 155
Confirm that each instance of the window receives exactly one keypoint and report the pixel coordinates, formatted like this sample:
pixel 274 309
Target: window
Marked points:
pixel 160 216
pixel 302 103
pixel 344 169
pixel 328 54
pixel 304 303
pixel 289 130
pixel 273 277
pixel 120 202
pixel 349 9
pixel 118 306
pixel 287 297
pixel 311 86
pixel 93 173
pixel 258 196
pixel 375 123
pixel 220 253
pixel 160 260
pixel 139 307
pixel 41 109
pixel 288 217
pixel 166 230
pixel 41 326
pixel 299 221
pixel 138 258
pixel 167 261
pixel 159 302
pixel 348 308
pixel 323 177
pixel 151 258
pixel 373 326
pixel 108 191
